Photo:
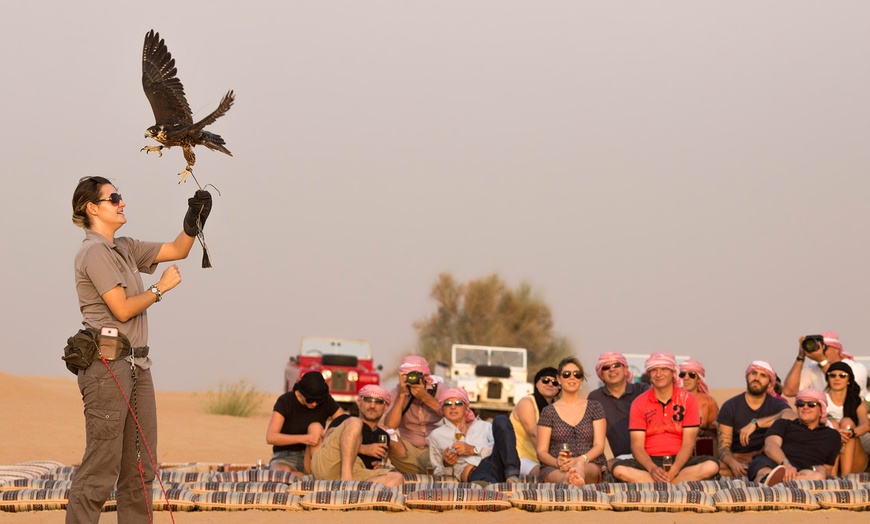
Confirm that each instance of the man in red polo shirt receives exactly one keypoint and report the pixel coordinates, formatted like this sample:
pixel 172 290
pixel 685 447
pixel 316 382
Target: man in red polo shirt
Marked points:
pixel 663 424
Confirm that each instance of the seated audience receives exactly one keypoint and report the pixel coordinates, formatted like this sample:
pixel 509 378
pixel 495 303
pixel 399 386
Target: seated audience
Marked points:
pixel 352 449
pixel 571 432
pixel 664 425
pixel 415 412
pixel 750 415
pixel 847 414
pixel 471 449
pixel 615 396
pixel 693 375
pixel 812 363
pixel 298 420
pixel 525 415
pixel 800 449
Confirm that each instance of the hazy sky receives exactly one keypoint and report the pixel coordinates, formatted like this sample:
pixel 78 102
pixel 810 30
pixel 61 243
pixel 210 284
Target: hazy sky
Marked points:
pixel 689 176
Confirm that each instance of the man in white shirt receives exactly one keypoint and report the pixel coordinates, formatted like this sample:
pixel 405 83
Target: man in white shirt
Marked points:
pixel 815 354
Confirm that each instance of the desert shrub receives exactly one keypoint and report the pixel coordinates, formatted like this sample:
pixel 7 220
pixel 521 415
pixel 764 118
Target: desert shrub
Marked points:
pixel 237 400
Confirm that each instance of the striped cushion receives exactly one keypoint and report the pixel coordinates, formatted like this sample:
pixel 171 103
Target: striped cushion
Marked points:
pixel 241 487
pixel 354 500
pixel 856 500
pixel 447 499
pixel 223 500
pixel 36 484
pixel 504 487
pixel 550 499
pixel 410 488
pixel 863 478
pixel 764 498
pixel 184 477
pixel 712 486
pixel 61 472
pixel 667 501
pixel 310 486
pixel 178 499
pixel 816 486
pixel 33 500
pixel 258 475
pixel 617 487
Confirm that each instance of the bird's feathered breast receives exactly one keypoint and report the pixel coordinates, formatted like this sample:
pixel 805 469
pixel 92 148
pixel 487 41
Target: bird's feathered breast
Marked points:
pixel 162 87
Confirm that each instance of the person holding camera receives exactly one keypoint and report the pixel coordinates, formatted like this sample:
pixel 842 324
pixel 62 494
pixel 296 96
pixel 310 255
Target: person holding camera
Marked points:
pixel 815 354
pixel 121 443
pixel 415 412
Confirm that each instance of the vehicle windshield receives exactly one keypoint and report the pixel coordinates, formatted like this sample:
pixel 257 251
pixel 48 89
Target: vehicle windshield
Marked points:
pixel 490 357
pixel 318 348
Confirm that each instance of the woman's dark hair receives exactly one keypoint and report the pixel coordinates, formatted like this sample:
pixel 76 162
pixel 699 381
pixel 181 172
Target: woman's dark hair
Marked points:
pixel 853 390
pixel 86 192
pixel 571 360
pixel 539 399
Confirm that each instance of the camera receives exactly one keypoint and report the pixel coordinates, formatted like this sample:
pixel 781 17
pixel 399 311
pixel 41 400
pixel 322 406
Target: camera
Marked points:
pixel 414 377
pixel 813 343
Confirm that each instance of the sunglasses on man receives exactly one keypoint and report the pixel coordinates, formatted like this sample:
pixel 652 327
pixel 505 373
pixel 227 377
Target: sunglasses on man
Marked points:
pixel 451 403
pixel 691 374
pixel 114 198
pixel 807 403
pixel 577 374
pixel 373 400
pixel 615 365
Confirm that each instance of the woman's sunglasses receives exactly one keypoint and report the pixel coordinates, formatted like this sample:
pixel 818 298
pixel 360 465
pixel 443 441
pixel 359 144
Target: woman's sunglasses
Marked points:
pixel 373 400
pixel 114 198
pixel 309 401
pixel 548 380
pixel 692 375
pixel 615 365
pixel 808 403
pixel 451 403
pixel 577 374
pixel 834 374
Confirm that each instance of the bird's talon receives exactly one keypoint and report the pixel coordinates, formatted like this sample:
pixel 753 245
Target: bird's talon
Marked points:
pixel 149 149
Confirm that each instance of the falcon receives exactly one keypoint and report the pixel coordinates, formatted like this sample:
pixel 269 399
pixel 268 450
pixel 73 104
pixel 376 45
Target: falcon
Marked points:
pixel 174 124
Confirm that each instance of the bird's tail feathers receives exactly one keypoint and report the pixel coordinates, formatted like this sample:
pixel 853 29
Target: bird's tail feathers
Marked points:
pixel 214 142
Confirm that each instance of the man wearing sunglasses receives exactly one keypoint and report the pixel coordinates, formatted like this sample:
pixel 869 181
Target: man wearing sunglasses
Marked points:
pixel 353 447
pixel 801 449
pixel 615 396
pixel 750 415
pixel 664 425
pixel 471 449
pixel 815 354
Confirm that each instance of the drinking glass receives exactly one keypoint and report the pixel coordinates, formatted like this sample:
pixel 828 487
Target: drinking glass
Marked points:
pixel 667 462
pixel 384 439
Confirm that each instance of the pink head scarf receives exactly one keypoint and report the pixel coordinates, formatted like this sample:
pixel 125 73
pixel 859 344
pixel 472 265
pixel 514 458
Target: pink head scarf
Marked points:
pixel 416 363
pixel 767 369
pixel 662 359
pixel 810 394
pixel 609 358
pixel 832 339
pixel 374 391
pixel 454 394
pixel 697 367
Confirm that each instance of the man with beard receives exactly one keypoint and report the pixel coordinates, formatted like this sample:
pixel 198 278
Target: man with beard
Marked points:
pixel 750 414
pixel 352 449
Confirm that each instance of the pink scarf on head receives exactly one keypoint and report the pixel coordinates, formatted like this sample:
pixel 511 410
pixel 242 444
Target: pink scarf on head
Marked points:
pixel 697 367
pixel 766 368
pixel 374 391
pixel 456 394
pixel 832 339
pixel 663 359
pixel 609 358
pixel 416 363
pixel 814 394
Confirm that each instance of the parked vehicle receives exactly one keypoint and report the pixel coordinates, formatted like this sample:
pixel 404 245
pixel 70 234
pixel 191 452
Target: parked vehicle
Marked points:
pixel 495 378
pixel 346 365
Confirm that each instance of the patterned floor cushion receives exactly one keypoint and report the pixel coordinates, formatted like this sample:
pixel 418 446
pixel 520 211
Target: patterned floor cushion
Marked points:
pixel 509 488
pixel 556 499
pixel 417 478
pixel 855 500
pixel 185 477
pixel 816 486
pixel 33 500
pixel 410 488
pixel 304 487
pixel 228 501
pixel 618 487
pixel 764 499
pixel 61 472
pixel 258 475
pixel 241 487
pixel 176 499
pixel 863 478
pixel 712 486
pixel 666 501
pixel 445 499
pixel 354 500
pixel 36 484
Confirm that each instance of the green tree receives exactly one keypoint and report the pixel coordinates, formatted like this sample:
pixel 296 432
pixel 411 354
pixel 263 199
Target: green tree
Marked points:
pixel 486 312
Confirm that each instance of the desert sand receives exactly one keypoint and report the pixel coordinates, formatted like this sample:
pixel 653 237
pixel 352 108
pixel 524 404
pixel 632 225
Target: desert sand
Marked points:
pixel 41 419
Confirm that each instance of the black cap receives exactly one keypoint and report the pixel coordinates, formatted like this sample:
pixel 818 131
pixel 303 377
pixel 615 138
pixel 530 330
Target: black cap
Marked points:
pixel 312 387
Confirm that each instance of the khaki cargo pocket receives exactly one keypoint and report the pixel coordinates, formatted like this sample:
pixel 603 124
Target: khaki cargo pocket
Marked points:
pixel 103 424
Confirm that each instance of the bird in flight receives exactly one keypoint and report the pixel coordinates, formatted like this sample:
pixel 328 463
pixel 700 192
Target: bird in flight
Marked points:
pixel 174 124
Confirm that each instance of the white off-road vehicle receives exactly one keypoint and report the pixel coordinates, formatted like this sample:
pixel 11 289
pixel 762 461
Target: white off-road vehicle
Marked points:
pixel 495 378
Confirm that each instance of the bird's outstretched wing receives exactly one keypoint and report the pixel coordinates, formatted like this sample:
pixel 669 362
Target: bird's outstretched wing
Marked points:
pixel 223 107
pixel 162 87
